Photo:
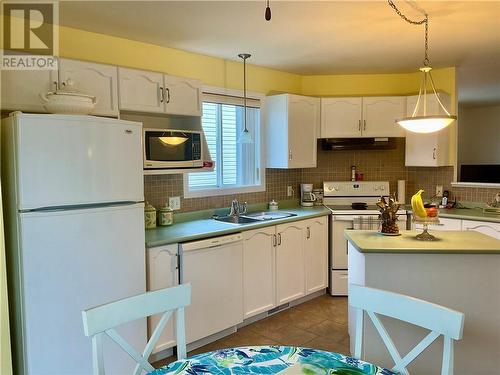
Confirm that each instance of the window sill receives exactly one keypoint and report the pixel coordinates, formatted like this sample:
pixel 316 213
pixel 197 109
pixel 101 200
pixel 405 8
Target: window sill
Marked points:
pixel 218 192
pixel 475 184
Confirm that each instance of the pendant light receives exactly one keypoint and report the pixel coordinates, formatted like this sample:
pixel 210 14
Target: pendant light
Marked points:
pixel 245 136
pixel 424 123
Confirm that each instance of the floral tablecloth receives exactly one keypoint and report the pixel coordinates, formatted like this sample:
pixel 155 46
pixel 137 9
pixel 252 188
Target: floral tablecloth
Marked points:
pixel 270 360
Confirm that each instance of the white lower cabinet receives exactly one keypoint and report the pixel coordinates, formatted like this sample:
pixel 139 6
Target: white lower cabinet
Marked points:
pixel 489 228
pixel 316 254
pixel 290 270
pixel 258 271
pixel 162 272
pixel 444 224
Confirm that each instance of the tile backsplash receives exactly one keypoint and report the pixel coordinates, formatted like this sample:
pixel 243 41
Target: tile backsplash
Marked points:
pixel 376 165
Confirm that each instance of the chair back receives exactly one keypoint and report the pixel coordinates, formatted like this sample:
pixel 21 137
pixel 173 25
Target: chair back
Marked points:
pixel 438 319
pixel 102 320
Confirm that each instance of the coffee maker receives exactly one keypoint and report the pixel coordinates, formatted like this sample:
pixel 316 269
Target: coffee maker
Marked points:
pixel 307 198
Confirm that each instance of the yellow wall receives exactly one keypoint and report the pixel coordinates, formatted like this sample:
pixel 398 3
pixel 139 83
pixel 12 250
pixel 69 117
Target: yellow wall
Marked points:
pixel 84 45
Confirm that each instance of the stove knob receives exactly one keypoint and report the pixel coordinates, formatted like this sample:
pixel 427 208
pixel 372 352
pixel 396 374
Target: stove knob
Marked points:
pixel 330 187
pixel 382 187
pixel 375 188
pixel 336 188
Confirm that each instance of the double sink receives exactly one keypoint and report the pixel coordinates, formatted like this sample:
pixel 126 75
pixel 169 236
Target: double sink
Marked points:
pixel 254 217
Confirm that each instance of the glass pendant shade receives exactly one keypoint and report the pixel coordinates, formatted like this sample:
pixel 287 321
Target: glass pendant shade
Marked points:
pixel 173 141
pixel 426 123
pixel 245 137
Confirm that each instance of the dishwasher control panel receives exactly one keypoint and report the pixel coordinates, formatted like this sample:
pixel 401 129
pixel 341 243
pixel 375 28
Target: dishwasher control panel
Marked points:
pixel 212 242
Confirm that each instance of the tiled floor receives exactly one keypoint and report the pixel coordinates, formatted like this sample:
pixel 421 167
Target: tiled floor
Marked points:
pixel 320 323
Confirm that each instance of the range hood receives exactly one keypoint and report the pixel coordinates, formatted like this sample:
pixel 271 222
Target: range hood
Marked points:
pixel 341 144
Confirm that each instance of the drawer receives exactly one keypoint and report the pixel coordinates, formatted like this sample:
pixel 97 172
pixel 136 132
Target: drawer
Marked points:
pixel 485 227
pixel 338 286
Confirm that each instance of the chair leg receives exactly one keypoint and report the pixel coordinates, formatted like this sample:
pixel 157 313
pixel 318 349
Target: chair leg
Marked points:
pixel 447 368
pixel 97 354
pixel 181 334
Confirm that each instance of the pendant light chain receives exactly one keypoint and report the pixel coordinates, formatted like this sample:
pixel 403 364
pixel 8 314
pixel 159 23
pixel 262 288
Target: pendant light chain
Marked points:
pixel 424 22
pixel 244 57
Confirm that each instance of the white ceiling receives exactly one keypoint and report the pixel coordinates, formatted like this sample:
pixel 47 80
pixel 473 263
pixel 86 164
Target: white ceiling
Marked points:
pixel 315 37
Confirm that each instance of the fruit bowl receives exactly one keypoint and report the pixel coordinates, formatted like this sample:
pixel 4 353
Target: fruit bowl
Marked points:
pixel 426 221
pixel 425 215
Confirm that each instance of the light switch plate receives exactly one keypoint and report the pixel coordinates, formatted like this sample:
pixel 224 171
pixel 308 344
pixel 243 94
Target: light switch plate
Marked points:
pixel 174 203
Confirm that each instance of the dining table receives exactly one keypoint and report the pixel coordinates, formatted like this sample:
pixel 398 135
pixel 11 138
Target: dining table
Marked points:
pixel 270 359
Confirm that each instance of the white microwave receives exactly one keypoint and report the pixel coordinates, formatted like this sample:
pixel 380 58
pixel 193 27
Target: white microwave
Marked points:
pixel 171 148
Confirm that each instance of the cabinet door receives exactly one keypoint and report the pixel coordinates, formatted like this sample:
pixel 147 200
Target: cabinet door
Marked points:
pixel 341 117
pixel 258 271
pixel 380 115
pixel 485 227
pixel 162 272
pixel 290 270
pixel 428 150
pixel 303 116
pixel 182 96
pixel 21 89
pixel 93 79
pixel 316 254
pixel 140 90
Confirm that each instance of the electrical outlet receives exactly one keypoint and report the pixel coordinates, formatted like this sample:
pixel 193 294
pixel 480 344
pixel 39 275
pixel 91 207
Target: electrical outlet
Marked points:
pixel 174 203
pixel 439 190
pixel 289 191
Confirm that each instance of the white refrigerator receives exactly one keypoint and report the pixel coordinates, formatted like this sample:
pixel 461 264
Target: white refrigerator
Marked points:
pixel 73 190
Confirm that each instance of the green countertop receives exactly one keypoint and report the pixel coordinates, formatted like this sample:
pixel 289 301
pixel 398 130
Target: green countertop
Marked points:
pixel 195 228
pixel 450 242
pixel 473 213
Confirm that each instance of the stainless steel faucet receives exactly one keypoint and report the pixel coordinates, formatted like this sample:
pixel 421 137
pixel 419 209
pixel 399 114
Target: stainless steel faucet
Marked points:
pixel 237 209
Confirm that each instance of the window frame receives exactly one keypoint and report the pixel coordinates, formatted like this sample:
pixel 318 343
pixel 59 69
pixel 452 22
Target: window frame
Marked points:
pixel 200 193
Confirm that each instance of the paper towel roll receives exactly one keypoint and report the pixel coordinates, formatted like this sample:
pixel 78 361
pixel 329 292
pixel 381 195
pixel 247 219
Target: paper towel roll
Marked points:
pixel 401 191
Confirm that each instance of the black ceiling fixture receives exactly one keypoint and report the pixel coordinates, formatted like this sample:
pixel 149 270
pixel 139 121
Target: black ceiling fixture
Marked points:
pixel 268 11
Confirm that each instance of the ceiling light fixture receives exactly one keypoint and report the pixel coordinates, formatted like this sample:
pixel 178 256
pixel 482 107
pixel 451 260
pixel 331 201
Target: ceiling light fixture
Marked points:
pixel 267 15
pixel 424 123
pixel 245 136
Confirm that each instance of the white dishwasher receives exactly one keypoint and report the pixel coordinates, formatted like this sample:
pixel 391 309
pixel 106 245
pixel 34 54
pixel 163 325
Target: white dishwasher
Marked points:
pixel 214 267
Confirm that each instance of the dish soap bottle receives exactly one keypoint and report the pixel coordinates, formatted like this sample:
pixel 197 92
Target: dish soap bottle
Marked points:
pixel 149 216
pixel 166 215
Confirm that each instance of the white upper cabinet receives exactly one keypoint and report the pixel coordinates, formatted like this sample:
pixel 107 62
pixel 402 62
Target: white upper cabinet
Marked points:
pixel 362 117
pixel 380 115
pixel 145 91
pixel 140 90
pixel 94 79
pixel 21 89
pixel 292 123
pixel 340 117
pixel 182 96
pixel 432 149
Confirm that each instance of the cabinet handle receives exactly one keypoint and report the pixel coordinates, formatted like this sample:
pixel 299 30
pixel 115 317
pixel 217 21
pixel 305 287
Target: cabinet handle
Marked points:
pixel 168 94
pixel 162 96
pixel 290 154
pixel 308 232
pixel 434 153
pixel 279 239
pixel 56 84
pixel 364 124
pixel 274 240
pixel 359 125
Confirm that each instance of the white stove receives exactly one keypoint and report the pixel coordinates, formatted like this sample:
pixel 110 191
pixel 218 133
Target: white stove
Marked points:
pixel 338 196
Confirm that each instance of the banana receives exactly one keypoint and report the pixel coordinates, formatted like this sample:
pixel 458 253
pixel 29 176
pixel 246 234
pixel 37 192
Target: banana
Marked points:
pixel 418 205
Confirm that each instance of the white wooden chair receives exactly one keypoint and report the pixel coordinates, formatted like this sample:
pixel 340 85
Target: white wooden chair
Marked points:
pixel 438 319
pixel 103 319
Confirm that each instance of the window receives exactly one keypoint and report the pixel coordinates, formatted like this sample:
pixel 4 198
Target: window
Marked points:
pixel 237 165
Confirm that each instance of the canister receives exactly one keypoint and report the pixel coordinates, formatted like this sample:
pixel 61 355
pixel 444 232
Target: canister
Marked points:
pixel 319 197
pixel 166 215
pixel 273 205
pixel 149 216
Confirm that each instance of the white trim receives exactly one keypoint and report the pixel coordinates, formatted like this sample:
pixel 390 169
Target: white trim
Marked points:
pixel 262 150
pixel 221 191
pixel 486 185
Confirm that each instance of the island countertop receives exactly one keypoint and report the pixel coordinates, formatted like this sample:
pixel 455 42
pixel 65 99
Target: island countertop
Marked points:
pixel 449 242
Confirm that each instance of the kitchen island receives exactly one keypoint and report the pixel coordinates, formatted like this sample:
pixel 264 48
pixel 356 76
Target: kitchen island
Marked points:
pixel 460 271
